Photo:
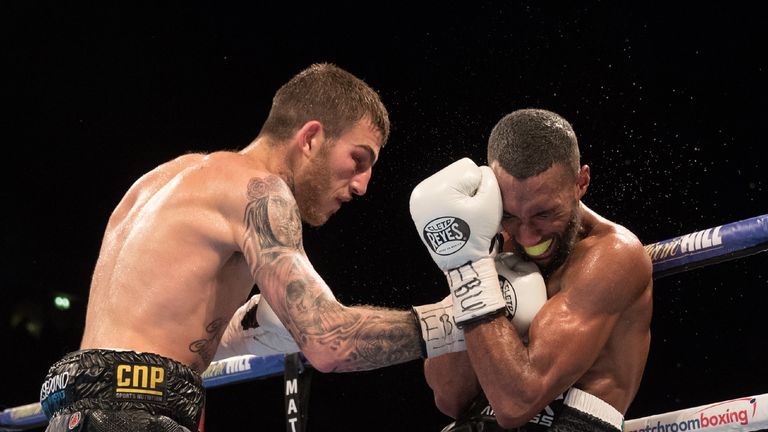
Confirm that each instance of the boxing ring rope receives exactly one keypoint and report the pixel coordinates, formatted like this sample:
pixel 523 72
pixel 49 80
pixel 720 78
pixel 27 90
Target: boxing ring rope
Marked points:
pixel 697 249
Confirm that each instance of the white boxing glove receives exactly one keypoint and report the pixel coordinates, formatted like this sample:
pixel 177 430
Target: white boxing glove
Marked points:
pixel 255 329
pixel 523 288
pixel 457 212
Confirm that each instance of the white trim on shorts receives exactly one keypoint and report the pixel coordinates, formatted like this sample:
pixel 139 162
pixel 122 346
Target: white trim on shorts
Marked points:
pixel 594 406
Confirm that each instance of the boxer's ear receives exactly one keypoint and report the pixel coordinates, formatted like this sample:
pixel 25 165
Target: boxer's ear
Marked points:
pixel 310 137
pixel 582 181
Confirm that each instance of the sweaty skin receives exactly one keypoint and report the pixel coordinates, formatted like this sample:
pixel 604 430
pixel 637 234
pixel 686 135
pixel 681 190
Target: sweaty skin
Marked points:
pixel 189 240
pixel 592 333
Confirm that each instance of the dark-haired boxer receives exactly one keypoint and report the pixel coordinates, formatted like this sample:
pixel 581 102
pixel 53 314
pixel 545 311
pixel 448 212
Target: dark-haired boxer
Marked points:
pixel 587 346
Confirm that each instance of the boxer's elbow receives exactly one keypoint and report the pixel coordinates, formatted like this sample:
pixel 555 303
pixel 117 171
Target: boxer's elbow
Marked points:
pixel 328 360
pixel 453 401
pixel 322 362
pixel 510 419
pixel 510 416
pixel 513 411
pixel 450 406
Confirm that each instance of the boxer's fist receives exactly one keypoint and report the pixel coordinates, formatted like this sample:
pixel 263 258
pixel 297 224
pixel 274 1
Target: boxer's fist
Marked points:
pixel 523 287
pixel 255 329
pixel 457 212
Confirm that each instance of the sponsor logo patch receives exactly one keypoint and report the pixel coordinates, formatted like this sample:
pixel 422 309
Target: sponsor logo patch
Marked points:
pixel 735 414
pixel 53 393
pixel 54 384
pixel 138 381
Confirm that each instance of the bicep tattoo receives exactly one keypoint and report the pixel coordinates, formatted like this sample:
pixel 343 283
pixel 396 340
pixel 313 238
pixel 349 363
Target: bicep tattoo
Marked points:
pixel 272 220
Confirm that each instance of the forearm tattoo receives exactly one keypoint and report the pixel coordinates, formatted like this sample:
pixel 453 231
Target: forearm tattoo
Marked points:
pixel 365 338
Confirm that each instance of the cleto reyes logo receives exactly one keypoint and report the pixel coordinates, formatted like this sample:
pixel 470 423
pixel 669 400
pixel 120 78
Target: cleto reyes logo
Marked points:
pixel 510 295
pixel 446 235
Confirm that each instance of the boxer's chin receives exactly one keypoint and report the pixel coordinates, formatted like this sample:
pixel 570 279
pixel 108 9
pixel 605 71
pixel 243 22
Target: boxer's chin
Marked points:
pixel 312 202
pixel 565 243
pixel 312 216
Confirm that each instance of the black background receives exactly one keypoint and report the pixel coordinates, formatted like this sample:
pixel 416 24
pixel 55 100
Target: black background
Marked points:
pixel 668 102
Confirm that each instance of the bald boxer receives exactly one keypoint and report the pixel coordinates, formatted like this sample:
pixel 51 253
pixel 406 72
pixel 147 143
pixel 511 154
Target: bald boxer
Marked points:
pixel 587 346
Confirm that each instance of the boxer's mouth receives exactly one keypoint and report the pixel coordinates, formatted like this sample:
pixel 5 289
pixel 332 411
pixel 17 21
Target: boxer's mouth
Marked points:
pixel 539 249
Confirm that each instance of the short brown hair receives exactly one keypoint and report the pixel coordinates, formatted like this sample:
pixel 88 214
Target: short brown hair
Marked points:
pixel 529 141
pixel 330 95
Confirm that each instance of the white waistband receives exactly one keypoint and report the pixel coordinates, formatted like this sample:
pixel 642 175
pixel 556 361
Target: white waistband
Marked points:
pixel 594 406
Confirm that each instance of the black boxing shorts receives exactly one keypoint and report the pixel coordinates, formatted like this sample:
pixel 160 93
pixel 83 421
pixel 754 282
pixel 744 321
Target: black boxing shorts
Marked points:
pixel 578 411
pixel 105 390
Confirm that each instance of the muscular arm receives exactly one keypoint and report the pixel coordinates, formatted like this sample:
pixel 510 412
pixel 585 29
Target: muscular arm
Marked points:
pixel 333 337
pixel 567 335
pixel 453 382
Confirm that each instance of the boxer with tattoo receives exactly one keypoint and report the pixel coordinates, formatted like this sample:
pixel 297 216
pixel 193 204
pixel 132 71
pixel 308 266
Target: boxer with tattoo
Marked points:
pixel 190 239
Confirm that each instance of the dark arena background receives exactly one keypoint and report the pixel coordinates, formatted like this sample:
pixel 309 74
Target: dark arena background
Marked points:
pixel 668 100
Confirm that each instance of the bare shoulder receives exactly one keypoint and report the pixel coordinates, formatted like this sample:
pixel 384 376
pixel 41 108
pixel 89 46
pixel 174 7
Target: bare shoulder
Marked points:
pixel 258 203
pixel 607 237
pixel 239 178
pixel 163 173
pixel 219 176
pixel 146 186
pixel 216 167
pixel 623 243
pixel 612 264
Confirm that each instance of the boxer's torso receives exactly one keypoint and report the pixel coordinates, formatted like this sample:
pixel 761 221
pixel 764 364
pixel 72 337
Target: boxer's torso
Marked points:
pixel 170 273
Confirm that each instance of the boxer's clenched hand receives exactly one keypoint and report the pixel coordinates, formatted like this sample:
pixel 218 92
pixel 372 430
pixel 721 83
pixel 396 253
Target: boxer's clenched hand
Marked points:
pixel 523 289
pixel 457 212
